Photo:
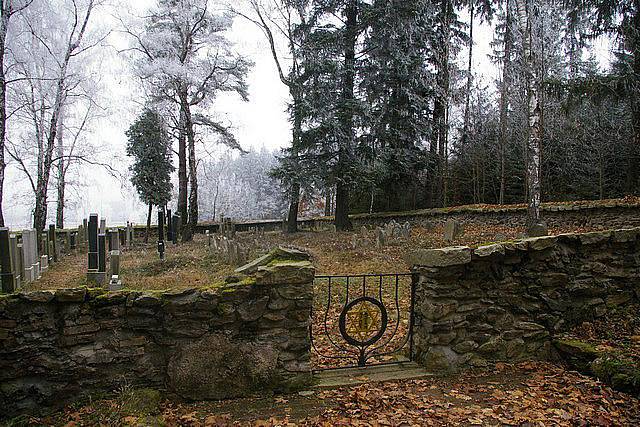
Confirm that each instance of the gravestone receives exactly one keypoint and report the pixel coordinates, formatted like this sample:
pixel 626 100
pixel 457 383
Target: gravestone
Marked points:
pixel 354 241
pixel 102 256
pixel 15 250
pixel 176 227
pixel 406 230
pixel 115 284
pixel 363 230
pixel 169 226
pixel 380 237
pixel 7 264
pixel 103 226
pixel 452 230
pixel 92 253
pixel 85 228
pixel 27 266
pixel 161 233
pixel 73 241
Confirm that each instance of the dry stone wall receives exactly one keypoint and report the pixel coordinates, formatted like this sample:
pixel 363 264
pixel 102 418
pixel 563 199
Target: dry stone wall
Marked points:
pixel 229 340
pixel 506 302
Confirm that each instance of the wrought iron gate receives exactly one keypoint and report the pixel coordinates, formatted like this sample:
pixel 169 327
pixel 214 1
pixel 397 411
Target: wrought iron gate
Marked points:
pixel 362 320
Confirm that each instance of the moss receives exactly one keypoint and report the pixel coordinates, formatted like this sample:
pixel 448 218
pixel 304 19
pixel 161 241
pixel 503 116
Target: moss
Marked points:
pixel 621 374
pixel 141 402
pixel 582 346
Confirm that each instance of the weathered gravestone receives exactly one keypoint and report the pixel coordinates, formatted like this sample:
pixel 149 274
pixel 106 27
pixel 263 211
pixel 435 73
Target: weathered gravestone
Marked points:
pixel 7 263
pixel 115 284
pixel 381 237
pixel 452 230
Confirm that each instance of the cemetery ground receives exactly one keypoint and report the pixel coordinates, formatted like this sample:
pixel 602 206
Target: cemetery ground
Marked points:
pixel 531 393
pixel 193 264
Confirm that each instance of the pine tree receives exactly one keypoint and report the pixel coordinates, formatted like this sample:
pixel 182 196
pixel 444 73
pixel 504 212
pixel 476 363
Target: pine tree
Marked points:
pixel 150 147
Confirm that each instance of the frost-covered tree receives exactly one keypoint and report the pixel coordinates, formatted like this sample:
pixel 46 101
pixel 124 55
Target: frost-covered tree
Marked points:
pixel 241 187
pixel 185 58
pixel 50 69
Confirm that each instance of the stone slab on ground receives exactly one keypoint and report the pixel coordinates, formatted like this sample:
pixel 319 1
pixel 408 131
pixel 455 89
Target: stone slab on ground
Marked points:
pixel 334 378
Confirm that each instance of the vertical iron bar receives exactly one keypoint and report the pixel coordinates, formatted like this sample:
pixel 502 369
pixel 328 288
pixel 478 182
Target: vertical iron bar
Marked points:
pixel 364 286
pixel 380 289
pixel 414 283
pixel 347 300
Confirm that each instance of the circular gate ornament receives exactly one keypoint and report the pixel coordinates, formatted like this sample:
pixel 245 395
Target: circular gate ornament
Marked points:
pixel 363 321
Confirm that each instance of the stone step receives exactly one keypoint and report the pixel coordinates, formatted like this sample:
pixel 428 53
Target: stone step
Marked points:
pixel 334 378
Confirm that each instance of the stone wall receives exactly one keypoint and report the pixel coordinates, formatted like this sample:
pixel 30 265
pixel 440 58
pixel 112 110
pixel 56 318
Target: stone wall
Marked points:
pixel 607 216
pixel 228 340
pixel 507 301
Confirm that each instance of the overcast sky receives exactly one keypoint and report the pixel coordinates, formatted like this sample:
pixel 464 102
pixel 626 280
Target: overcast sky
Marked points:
pixel 260 122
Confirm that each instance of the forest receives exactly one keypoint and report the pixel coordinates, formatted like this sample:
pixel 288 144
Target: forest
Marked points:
pixel 385 108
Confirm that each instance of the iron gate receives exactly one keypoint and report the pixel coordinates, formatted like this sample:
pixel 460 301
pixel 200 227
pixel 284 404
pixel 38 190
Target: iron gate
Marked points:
pixel 362 320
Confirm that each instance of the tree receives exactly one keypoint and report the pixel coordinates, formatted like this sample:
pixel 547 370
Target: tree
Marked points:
pixel 527 12
pixel 150 147
pixel 185 58
pixel 8 9
pixel 292 19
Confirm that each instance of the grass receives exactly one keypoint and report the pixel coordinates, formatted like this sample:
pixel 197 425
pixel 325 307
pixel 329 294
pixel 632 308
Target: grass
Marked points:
pixel 192 265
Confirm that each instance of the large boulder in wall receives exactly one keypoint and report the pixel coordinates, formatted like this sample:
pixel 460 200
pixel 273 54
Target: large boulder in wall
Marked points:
pixel 217 367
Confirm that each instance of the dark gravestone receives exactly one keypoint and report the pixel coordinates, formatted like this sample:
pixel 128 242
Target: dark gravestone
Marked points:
pixel 102 253
pixel 161 233
pixel 176 228
pixel 7 277
pixel 93 242
pixel 73 241
pixel 111 235
pixel 169 225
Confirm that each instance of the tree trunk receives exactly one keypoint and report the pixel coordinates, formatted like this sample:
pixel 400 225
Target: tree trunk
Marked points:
pixel 342 220
pixel 4 23
pixel 294 196
pixel 61 175
pixel 504 101
pixel 465 129
pixel 148 231
pixel 294 203
pixel 193 178
pixel 534 113
pixel 182 169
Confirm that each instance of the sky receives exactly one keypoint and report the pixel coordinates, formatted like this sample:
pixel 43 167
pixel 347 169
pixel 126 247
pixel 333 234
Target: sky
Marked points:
pixel 260 122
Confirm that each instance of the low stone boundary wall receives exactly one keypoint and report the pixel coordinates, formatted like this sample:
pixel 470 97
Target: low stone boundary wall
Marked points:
pixel 228 340
pixel 505 302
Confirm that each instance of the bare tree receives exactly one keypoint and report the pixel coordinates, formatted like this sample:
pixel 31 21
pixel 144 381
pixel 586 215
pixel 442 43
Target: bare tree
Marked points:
pixel 9 8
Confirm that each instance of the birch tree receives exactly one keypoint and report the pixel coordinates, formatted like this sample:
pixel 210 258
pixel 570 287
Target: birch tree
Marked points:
pixel 9 8
pixel 48 73
pixel 526 12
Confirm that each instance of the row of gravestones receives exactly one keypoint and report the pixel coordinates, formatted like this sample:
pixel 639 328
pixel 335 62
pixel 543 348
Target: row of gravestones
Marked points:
pixel 383 235
pixel 228 249
pixel 24 257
